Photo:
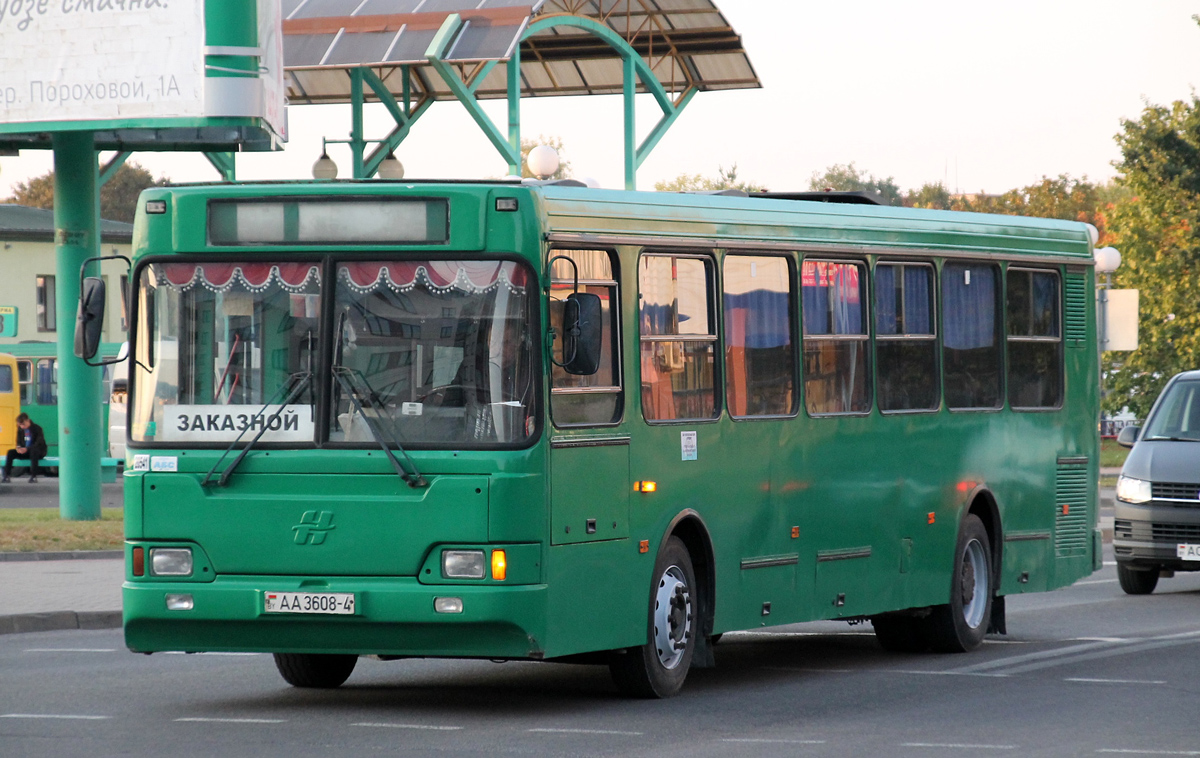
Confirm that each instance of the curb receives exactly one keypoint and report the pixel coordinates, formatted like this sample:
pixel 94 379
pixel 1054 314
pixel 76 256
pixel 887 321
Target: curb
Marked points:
pixel 59 620
pixel 66 555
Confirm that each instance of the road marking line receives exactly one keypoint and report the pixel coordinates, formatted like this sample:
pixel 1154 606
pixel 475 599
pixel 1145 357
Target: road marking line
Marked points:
pixel 1158 642
pixel 71 650
pixel 586 731
pixel 958 746
pixel 942 673
pixel 1149 752
pixel 429 727
pixel 774 742
pixel 1097 581
pixel 1115 681
pixel 1110 563
pixel 52 716
pixel 1012 660
pixel 181 653
pixel 203 720
pixel 800 668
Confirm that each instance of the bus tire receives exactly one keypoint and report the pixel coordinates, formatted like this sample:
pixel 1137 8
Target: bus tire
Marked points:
pixel 1137 581
pixel 657 669
pixel 901 634
pixel 961 624
pixel 315 670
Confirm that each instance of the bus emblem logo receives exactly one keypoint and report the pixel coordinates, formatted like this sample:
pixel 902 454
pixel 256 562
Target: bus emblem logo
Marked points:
pixel 313 527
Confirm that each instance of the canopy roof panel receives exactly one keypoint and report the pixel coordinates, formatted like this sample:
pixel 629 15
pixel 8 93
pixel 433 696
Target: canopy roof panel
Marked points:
pixel 687 43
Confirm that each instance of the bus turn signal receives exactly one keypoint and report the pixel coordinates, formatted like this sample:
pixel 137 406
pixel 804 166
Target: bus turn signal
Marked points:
pixel 499 565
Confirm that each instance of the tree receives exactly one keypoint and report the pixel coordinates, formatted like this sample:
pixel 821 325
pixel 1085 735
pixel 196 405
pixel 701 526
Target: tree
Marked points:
pixel 118 196
pixel 726 179
pixel 931 195
pixel 564 165
pixel 847 178
pixel 1155 227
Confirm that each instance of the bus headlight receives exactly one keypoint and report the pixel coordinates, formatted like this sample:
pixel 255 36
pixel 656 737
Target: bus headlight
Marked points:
pixel 462 564
pixel 170 561
pixel 1132 490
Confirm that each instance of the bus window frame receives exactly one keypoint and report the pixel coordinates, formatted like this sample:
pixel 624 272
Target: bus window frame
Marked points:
pixel 614 262
pixel 796 335
pixel 1059 340
pixel 715 337
pixel 1000 316
pixel 936 337
pixel 866 293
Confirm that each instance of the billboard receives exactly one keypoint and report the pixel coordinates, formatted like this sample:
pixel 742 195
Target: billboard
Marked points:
pixel 128 64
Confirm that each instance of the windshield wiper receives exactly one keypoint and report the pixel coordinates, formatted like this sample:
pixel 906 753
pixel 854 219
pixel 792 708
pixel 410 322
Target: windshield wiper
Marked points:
pixel 346 380
pixel 294 384
pixel 1172 439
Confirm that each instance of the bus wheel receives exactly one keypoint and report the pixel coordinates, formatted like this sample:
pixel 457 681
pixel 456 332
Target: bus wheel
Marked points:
pixel 901 634
pixel 961 624
pixel 1137 582
pixel 312 670
pixel 657 669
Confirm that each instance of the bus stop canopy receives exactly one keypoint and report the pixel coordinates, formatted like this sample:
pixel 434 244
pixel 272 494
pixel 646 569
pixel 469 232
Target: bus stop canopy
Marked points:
pixel 687 44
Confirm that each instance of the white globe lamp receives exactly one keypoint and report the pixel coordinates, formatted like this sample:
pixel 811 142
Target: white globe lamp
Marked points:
pixel 1108 260
pixel 542 161
pixel 391 168
pixel 324 168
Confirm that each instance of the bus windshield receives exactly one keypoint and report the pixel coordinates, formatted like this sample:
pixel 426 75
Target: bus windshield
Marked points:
pixel 432 353
pixel 442 350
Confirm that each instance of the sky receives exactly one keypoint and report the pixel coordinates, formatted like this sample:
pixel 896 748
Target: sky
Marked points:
pixel 980 96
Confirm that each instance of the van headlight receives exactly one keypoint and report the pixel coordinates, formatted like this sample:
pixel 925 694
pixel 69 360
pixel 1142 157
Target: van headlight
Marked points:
pixel 1132 490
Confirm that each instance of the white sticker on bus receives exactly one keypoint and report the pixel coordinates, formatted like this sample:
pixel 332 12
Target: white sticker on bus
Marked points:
pixel 141 463
pixel 688 446
pixel 164 463
pixel 223 423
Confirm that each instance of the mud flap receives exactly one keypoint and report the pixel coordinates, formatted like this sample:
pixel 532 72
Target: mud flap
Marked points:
pixel 997 623
pixel 702 656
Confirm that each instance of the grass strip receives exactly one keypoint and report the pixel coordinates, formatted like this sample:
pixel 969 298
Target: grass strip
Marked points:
pixel 30 530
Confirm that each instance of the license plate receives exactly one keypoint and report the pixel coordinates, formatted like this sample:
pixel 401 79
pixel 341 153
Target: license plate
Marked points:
pixel 1188 552
pixel 341 603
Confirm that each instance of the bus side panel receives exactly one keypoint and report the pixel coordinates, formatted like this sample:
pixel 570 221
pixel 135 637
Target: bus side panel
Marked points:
pixel 597 595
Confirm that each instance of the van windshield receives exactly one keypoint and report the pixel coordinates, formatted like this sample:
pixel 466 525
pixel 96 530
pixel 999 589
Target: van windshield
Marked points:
pixel 1178 414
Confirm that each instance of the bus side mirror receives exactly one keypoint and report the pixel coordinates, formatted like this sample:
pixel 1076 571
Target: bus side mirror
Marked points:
pixel 89 321
pixel 1128 435
pixel 582 333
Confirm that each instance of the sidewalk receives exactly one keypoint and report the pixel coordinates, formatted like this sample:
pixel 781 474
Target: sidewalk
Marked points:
pixel 34 592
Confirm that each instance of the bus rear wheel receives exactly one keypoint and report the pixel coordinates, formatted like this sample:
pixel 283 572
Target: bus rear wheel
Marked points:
pixel 314 670
pixel 657 668
pixel 1137 581
pixel 961 624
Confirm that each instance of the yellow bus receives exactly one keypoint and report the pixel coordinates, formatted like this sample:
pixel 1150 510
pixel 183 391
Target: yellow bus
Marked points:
pixel 10 398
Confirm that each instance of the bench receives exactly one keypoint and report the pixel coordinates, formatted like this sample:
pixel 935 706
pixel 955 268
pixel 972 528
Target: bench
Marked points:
pixel 108 466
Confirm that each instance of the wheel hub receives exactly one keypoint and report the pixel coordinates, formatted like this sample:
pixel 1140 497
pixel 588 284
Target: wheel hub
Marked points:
pixel 672 617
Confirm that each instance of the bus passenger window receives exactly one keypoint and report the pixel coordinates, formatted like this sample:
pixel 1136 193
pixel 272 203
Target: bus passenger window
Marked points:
pixel 905 342
pixel 760 355
pixel 596 399
pixel 47 381
pixel 971 342
pixel 1034 339
pixel 678 342
pixel 25 379
pixel 835 338
pixel 6 379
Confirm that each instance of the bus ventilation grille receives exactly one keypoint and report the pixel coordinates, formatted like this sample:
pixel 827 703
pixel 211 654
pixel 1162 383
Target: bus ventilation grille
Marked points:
pixel 1075 309
pixel 1071 511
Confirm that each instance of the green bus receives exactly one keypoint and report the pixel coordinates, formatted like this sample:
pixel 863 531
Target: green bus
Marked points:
pixel 538 421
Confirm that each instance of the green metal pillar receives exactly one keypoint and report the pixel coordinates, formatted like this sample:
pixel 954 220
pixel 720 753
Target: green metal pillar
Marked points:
pixel 629 89
pixel 358 145
pixel 513 67
pixel 76 238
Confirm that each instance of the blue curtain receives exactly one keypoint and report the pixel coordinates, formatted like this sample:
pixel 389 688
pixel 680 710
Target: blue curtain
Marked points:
pixel 970 308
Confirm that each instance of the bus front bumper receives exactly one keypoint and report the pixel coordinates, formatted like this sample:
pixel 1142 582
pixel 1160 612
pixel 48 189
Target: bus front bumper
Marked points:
pixel 393 616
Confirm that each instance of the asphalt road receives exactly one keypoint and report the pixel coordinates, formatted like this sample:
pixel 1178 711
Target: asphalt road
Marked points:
pixel 1084 671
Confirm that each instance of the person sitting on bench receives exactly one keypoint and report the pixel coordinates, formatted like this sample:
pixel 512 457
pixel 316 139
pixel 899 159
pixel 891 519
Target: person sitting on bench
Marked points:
pixel 31 446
